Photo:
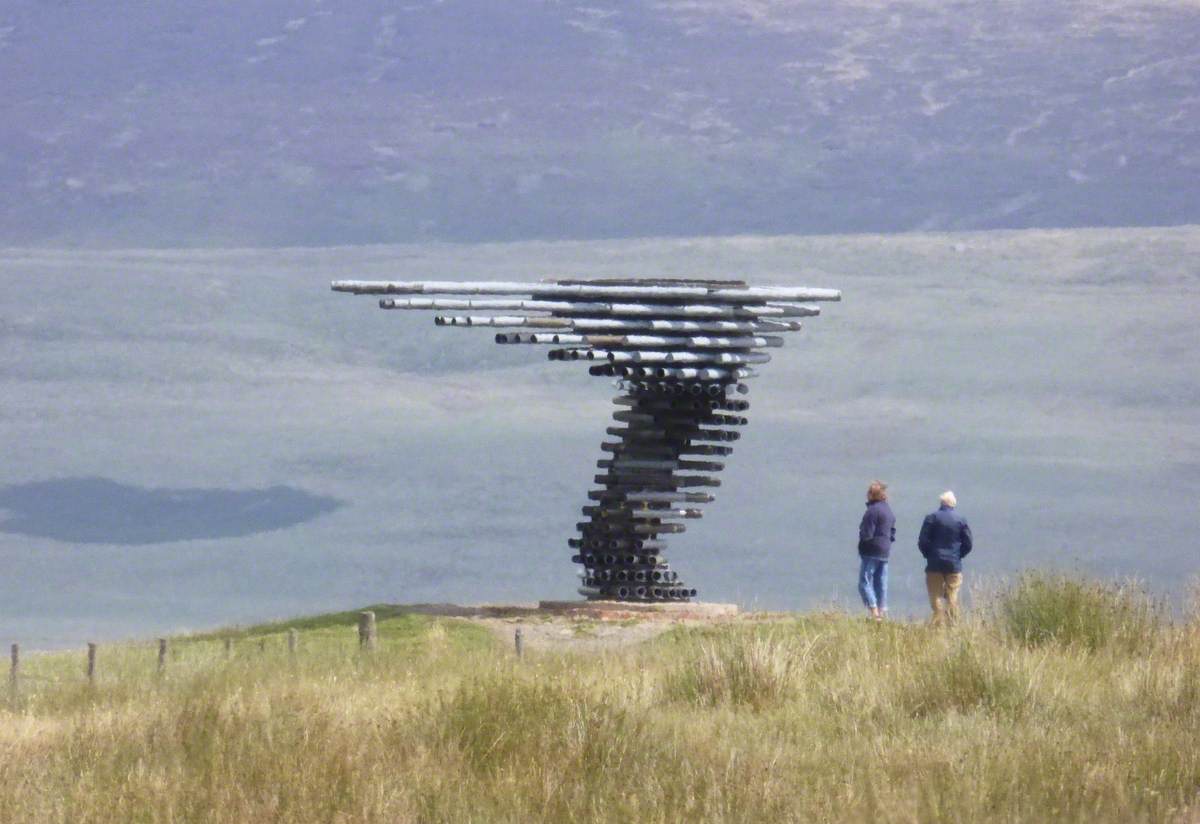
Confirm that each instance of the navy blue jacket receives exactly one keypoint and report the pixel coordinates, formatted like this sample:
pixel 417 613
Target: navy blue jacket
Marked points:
pixel 877 531
pixel 945 540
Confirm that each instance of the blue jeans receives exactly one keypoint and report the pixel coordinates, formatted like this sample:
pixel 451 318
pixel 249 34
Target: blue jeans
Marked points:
pixel 872 582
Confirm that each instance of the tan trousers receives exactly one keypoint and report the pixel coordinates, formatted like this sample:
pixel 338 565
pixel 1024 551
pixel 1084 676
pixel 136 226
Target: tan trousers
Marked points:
pixel 943 594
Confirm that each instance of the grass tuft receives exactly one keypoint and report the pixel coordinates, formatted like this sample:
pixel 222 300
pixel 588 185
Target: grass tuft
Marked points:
pixel 1046 608
pixel 968 679
pixel 755 670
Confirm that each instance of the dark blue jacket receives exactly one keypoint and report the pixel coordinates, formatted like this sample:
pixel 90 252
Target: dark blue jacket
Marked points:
pixel 945 540
pixel 877 531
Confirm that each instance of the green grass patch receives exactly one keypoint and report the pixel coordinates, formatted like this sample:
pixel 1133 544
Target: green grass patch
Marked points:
pixel 328 620
pixel 1043 608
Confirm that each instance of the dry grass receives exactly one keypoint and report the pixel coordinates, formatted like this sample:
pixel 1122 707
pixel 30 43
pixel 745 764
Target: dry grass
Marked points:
pixel 816 718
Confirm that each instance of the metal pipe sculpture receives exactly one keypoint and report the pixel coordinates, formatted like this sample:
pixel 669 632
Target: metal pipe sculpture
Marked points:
pixel 677 348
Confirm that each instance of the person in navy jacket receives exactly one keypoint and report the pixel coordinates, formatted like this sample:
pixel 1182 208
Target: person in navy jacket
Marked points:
pixel 876 534
pixel 945 540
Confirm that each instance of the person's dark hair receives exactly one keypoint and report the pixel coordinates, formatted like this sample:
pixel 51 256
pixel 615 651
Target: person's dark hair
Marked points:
pixel 877 491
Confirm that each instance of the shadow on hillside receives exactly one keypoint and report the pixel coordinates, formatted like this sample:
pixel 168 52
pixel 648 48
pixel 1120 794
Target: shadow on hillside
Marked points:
pixel 100 510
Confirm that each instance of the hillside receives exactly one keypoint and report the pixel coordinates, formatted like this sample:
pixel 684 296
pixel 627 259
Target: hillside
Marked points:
pixel 297 122
pixel 1060 700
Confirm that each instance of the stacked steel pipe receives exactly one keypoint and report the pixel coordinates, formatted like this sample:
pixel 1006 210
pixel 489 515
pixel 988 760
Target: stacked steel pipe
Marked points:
pixel 680 351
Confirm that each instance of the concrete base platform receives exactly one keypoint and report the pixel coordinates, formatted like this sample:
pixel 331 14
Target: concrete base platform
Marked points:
pixel 597 610
pixel 637 609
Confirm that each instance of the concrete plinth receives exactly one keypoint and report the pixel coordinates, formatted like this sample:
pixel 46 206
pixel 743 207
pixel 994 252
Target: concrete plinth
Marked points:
pixel 632 609
pixel 598 610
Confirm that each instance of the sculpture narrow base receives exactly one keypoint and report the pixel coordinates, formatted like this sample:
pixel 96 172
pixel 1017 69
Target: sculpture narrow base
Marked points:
pixel 669 432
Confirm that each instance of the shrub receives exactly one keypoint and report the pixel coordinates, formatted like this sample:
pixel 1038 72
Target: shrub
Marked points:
pixel 1053 607
pixel 752 670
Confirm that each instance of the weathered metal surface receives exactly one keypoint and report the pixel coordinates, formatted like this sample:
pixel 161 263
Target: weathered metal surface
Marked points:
pixel 672 373
pixel 619 324
pixel 613 341
pixel 678 348
pixel 617 309
pixel 749 294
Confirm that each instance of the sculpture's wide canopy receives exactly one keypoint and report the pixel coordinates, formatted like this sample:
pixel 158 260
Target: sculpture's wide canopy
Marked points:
pixel 678 347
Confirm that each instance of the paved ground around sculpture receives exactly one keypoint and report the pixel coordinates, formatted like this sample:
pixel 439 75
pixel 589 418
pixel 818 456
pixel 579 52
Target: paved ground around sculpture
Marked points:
pixel 586 626
pixel 561 632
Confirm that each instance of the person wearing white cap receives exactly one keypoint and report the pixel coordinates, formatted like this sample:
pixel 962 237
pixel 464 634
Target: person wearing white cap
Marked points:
pixel 945 540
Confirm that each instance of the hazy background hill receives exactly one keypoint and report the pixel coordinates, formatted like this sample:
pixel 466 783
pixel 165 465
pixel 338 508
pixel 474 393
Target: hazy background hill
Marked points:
pixel 301 122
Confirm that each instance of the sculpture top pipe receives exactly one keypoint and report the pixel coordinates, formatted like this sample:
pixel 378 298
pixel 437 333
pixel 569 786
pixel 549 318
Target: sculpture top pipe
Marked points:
pixel 749 294
pixel 636 310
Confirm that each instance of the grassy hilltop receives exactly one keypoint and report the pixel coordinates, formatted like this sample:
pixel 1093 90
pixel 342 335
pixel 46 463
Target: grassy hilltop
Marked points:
pixel 1055 701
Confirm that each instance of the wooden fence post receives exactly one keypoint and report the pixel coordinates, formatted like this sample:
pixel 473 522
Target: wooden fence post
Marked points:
pixel 228 647
pixel 14 675
pixel 519 642
pixel 91 663
pixel 292 639
pixel 162 655
pixel 366 631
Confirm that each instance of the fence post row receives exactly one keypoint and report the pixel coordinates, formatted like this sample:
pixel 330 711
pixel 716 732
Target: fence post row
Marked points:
pixel 367 640
pixel 366 631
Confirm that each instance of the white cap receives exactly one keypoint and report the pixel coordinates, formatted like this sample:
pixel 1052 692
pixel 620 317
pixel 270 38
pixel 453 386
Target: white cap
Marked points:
pixel 948 499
